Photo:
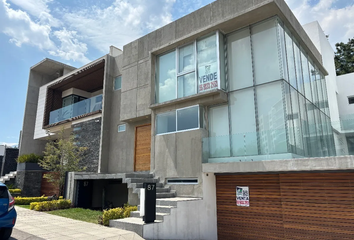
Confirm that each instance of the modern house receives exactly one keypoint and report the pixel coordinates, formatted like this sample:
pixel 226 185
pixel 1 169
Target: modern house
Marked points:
pixel 234 110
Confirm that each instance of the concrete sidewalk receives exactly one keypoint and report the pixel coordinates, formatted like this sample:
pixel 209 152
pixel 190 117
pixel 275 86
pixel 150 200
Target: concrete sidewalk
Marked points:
pixel 47 226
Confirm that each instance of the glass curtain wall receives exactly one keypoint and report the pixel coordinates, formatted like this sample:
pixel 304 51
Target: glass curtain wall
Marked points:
pixel 277 97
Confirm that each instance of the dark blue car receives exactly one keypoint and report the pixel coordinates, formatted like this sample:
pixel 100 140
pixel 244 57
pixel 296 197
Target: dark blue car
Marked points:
pixel 7 212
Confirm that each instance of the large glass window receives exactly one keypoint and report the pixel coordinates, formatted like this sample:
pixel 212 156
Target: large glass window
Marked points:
pixel 306 75
pixel 178 120
pixel 166 122
pixel 291 59
pixel 219 141
pixel 188 118
pixel 240 60
pixel 265 51
pixel 166 77
pixel 176 76
pixel 271 118
pixel 243 123
pixel 207 64
pixel 186 71
pixel 298 66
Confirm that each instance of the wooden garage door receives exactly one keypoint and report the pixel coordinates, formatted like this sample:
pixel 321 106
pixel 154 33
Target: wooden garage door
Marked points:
pixel 262 220
pixel 142 148
pixel 287 206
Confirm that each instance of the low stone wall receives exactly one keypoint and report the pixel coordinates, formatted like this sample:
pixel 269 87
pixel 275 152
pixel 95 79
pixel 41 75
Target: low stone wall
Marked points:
pixel 29 182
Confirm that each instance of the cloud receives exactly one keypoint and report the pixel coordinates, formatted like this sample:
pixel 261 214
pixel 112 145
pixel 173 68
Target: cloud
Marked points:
pixel 71 47
pixel 336 22
pixel 21 29
pixel 120 23
pixel 38 9
pixel 9 144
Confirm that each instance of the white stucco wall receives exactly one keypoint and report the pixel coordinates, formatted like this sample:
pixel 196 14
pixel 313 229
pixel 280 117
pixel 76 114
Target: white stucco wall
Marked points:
pixel 318 37
pixel 345 85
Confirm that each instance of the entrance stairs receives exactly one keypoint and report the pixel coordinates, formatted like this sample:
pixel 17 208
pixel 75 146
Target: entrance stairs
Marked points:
pixel 136 181
pixel 8 177
pixel 166 204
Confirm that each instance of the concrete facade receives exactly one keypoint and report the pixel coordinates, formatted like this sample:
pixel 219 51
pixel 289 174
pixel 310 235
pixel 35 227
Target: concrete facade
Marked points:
pixel 179 154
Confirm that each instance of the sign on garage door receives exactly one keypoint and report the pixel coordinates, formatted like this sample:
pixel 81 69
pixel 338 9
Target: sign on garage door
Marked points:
pixel 242 197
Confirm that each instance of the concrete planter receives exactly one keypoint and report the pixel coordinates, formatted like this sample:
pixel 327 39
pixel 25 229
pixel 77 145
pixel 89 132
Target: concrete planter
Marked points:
pixel 29 167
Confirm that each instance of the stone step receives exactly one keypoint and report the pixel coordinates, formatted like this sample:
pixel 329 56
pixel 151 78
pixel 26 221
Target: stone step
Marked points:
pixel 141 180
pixel 161 209
pixel 139 175
pixel 158 190
pixel 131 224
pixel 140 185
pixel 173 201
pixel 159 216
pixel 170 194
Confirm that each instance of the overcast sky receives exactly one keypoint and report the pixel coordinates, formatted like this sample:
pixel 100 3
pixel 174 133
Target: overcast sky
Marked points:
pixel 78 31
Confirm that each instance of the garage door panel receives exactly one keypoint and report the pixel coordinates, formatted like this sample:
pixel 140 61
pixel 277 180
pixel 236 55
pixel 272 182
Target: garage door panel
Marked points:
pixel 287 206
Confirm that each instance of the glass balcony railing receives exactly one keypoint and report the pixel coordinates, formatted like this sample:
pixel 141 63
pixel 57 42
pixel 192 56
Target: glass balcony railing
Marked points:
pixel 347 123
pixel 275 144
pixel 80 108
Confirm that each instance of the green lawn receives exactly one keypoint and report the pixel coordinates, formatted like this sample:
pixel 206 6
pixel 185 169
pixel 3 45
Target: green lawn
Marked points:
pixel 24 206
pixel 80 214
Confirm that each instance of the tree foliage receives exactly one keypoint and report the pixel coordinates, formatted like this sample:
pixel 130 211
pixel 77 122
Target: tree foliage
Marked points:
pixel 60 156
pixel 344 57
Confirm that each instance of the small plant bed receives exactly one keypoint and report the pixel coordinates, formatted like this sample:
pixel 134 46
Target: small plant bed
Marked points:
pixel 50 205
pixel 80 214
pixel 116 213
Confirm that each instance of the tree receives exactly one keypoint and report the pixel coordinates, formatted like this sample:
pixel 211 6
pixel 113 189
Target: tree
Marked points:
pixel 344 57
pixel 60 156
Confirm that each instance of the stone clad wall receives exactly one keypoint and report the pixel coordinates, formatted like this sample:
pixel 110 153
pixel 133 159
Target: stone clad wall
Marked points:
pixel 10 163
pixel 88 134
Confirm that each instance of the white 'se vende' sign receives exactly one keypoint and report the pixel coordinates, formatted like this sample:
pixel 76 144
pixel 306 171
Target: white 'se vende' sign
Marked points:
pixel 242 197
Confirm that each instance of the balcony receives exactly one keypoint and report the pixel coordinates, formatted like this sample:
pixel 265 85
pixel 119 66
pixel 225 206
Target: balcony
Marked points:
pixel 276 144
pixel 81 108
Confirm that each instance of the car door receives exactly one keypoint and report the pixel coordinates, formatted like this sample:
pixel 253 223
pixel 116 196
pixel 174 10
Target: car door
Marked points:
pixel 4 200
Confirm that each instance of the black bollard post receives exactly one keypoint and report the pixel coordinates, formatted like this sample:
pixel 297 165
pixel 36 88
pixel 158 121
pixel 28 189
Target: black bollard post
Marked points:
pixel 150 202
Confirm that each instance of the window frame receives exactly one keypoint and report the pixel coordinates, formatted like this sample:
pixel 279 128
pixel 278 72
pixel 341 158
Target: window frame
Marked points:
pixel 350 98
pixel 125 127
pixel 178 131
pixel 183 73
pixel 114 83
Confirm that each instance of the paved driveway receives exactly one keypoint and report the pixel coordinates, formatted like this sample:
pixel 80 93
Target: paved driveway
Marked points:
pixel 46 226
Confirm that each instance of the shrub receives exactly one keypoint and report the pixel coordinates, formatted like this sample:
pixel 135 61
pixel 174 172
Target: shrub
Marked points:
pixel 50 205
pixel 116 213
pixel 15 191
pixel 29 158
pixel 129 209
pixel 28 200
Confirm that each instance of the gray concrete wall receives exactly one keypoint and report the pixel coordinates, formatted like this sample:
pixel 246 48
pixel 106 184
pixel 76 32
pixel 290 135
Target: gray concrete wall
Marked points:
pixel 342 163
pixel 179 155
pixel 106 114
pixel 27 142
pixel 117 152
pixel 184 223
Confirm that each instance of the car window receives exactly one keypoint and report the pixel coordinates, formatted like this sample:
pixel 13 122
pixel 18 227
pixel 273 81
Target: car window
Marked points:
pixel 3 192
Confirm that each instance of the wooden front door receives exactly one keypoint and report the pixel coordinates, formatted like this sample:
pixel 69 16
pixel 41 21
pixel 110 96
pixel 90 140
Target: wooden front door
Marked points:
pixel 142 148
